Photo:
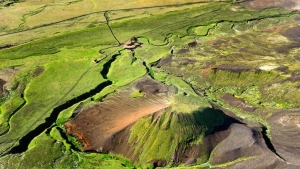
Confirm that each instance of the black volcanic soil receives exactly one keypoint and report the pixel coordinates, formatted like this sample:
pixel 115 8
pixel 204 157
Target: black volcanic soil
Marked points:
pixel 229 68
pixel 293 34
pixel 165 62
pixel 192 44
pixel 285 127
pixel 2 82
pixel 182 51
pixel 98 123
pixel 237 102
pixel 38 71
pixel 246 145
pixel 263 4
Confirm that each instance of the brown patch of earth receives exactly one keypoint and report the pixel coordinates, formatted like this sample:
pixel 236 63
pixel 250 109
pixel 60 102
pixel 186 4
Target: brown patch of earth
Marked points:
pixel 206 71
pixel 119 143
pixel 132 44
pixel 297 18
pixel 6 78
pixel 237 102
pixel 217 42
pixel 165 62
pixel 284 69
pixel 285 127
pixel 2 82
pixel 38 71
pixel 234 68
pixel 6 46
pixel 294 77
pixel 96 124
pixel 293 34
pixel 277 28
pixel 229 68
pixel 185 61
pixel 297 58
pixel 249 51
pixel 192 44
pixel 182 51
pixel 263 4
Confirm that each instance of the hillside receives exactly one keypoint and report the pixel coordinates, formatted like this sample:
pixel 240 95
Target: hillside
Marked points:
pixel 149 84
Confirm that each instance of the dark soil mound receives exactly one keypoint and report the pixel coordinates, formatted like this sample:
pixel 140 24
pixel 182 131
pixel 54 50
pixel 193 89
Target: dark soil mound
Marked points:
pixel 285 126
pixel 246 146
pixel 182 51
pixel 238 103
pixel 2 82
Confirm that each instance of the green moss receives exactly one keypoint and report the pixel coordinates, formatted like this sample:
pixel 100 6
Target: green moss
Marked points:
pixel 202 159
pixel 159 75
pixel 239 82
pixel 180 84
pixel 283 95
pixel 251 95
pixel 61 81
pixel 65 115
pixel 49 46
pixel 188 103
pixel 8 109
pixel 150 53
pixel 104 92
pixel 136 94
pixel 70 73
pixel 54 152
pixel 123 71
pixel 159 138
pixel 42 152
pixel 201 30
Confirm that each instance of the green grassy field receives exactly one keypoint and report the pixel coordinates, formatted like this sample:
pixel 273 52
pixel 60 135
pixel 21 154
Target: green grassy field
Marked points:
pixel 55 75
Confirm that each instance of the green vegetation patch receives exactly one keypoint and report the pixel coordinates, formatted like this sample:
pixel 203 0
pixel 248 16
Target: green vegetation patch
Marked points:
pixel 52 151
pixel 62 80
pixel 85 38
pixel 123 70
pixel 160 138
pixel 136 94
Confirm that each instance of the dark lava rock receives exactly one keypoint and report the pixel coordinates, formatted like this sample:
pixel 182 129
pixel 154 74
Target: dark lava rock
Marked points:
pixel 246 148
pixel 242 142
pixel 285 133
